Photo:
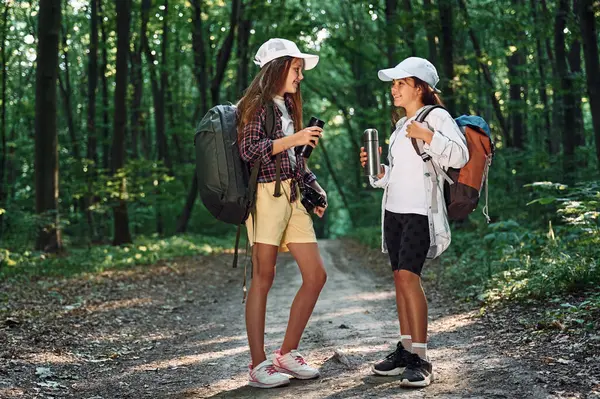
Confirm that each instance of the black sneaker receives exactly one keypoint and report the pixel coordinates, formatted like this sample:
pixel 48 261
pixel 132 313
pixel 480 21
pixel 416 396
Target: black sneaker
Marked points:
pixel 394 363
pixel 418 372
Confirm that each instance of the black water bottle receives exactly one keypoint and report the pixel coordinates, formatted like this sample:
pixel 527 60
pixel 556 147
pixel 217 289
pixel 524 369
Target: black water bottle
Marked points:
pixel 306 150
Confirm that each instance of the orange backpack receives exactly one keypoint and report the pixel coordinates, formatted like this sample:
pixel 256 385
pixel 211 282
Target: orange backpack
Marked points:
pixel 463 186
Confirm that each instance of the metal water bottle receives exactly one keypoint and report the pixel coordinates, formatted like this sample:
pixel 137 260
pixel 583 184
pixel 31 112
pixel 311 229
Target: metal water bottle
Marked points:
pixel 306 150
pixel 371 144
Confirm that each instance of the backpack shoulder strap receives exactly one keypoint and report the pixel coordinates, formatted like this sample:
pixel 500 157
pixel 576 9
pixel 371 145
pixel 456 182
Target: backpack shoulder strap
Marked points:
pixel 421 118
pixel 271 123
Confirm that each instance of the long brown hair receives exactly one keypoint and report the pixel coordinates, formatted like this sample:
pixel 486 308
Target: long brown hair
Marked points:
pixel 428 97
pixel 266 85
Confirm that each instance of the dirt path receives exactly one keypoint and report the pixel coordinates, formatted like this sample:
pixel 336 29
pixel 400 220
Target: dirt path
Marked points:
pixel 176 330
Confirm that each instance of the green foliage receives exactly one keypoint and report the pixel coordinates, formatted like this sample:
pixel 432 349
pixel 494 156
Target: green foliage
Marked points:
pixel 95 259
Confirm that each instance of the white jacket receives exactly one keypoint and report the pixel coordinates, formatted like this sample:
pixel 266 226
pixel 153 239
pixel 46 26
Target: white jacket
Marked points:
pixel 448 149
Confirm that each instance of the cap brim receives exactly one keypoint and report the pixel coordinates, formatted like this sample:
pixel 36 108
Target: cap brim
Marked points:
pixel 310 60
pixel 390 74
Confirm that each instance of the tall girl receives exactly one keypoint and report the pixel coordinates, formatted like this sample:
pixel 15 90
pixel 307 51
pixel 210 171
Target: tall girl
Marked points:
pixel 281 223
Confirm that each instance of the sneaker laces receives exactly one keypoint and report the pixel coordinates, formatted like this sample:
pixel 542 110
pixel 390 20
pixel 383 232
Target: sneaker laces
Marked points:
pixel 300 360
pixel 270 370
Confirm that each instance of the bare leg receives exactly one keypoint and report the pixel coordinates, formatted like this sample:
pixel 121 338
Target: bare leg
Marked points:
pixel 313 279
pixel 401 307
pixel 264 257
pixel 415 302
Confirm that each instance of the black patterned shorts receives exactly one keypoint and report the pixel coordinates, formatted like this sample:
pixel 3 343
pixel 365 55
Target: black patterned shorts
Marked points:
pixel 407 239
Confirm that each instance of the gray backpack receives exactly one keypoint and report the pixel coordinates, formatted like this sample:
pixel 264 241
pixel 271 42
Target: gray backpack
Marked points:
pixel 227 188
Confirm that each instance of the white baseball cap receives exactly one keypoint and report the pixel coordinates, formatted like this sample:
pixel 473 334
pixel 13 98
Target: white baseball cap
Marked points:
pixel 276 48
pixel 412 67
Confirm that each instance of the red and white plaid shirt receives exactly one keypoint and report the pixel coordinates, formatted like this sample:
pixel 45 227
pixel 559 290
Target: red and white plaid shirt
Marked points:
pixel 256 145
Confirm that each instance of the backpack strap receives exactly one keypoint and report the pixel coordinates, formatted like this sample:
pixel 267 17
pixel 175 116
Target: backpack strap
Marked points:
pixel 271 122
pixel 432 171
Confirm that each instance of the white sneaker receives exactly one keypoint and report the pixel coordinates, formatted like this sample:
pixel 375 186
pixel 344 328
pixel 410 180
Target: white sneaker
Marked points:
pixel 293 363
pixel 266 376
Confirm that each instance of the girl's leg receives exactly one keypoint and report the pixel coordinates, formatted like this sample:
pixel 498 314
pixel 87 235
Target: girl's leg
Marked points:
pixel 264 257
pixel 313 279
pixel 405 330
pixel 409 284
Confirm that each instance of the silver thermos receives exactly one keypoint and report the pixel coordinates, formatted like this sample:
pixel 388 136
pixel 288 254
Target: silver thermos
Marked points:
pixel 371 144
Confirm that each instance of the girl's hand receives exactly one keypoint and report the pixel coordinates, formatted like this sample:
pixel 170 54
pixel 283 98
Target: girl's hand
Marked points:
pixel 309 136
pixel 418 130
pixel 319 211
pixel 363 161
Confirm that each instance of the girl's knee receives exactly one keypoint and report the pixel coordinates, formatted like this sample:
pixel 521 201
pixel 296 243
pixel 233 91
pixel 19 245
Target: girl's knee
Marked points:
pixel 316 280
pixel 405 279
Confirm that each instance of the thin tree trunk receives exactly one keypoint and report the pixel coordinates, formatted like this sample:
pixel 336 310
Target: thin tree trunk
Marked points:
pixel 92 143
pixel 592 65
pixel 566 86
pixel 486 73
pixel 3 153
pixel 65 89
pixel 410 28
pixel 546 134
pixel 557 106
pixel 391 17
pixel 225 53
pixel 46 137
pixel 574 57
pixel 431 31
pixel 200 67
pixel 104 82
pixel 242 48
pixel 121 217
pixel 446 21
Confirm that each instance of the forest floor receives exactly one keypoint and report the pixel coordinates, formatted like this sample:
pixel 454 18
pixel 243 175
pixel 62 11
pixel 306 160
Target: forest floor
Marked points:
pixel 176 330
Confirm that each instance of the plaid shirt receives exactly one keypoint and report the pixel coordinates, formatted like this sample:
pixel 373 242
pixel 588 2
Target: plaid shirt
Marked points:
pixel 256 145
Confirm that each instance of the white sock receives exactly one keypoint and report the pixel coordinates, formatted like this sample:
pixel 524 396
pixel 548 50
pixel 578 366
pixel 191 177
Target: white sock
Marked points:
pixel 406 342
pixel 420 349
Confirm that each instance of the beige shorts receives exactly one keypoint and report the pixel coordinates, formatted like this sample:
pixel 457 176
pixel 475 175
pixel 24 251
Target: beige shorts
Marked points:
pixel 279 222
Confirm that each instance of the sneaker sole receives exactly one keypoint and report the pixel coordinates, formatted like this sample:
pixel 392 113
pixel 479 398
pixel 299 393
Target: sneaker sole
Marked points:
pixel 417 384
pixel 257 384
pixel 296 375
pixel 393 372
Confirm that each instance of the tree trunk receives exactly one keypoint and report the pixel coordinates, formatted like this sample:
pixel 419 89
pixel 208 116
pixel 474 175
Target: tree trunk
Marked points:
pixel 103 80
pixel 225 53
pixel 46 137
pixel 121 217
pixel 242 48
pixel 518 104
pixel 186 214
pixel 576 71
pixel 486 73
pixel 592 65
pixel 158 88
pixel 446 21
pixel 92 144
pixel 200 67
pixel 557 107
pixel 431 31
pixel 546 134
pixel 410 28
pixel 66 91
pixel 566 86
pixel 391 17
pixel 3 152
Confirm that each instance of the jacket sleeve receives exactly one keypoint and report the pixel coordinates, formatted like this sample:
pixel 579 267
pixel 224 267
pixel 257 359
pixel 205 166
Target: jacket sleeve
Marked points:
pixel 309 177
pixel 448 148
pixel 255 144
pixel 383 182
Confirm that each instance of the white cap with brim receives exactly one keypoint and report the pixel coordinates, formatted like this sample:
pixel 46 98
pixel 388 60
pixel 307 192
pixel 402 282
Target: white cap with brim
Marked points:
pixel 412 67
pixel 277 48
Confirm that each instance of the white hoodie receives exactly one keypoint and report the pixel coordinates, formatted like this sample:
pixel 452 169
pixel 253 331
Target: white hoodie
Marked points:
pixel 448 149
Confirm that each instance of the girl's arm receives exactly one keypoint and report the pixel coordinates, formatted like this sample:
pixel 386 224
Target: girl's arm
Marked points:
pixel 445 142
